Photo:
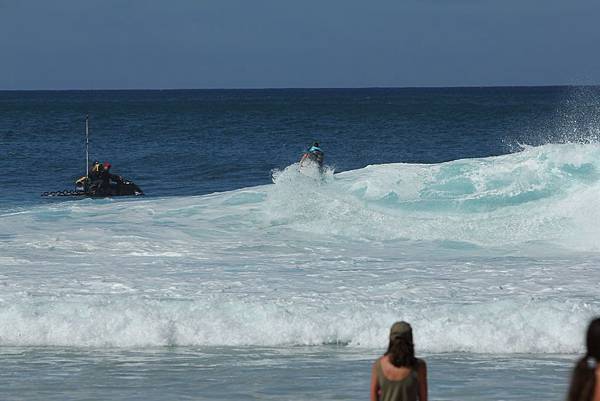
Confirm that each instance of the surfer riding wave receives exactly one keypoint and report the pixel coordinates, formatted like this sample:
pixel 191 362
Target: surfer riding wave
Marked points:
pixel 314 155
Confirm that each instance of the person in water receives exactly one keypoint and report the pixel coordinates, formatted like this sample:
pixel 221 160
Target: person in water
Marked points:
pixel 315 154
pixel 398 375
pixel 585 382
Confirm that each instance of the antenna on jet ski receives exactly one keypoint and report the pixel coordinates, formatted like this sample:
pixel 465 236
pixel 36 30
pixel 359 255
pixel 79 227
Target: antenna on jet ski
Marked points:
pixel 87 145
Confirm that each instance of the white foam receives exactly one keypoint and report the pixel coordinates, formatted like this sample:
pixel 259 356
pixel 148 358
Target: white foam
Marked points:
pixel 494 327
pixel 485 255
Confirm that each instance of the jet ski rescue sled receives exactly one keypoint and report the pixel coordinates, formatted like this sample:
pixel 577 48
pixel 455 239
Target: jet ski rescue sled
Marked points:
pixel 97 188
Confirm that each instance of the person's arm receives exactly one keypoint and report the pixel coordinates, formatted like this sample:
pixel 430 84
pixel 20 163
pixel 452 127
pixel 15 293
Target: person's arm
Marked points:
pixel 375 384
pixel 597 387
pixel 422 375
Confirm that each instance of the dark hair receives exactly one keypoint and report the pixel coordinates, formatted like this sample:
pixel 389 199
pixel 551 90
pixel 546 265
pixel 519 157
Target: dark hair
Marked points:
pixel 583 380
pixel 401 351
pixel 316 144
pixel 593 339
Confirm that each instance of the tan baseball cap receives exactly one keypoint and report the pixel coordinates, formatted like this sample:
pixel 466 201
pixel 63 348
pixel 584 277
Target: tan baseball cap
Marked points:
pixel 400 329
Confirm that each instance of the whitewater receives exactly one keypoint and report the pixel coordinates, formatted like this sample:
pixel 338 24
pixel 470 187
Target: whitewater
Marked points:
pixel 491 256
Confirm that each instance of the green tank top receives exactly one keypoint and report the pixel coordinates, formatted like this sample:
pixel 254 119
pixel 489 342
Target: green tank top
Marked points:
pixel 397 390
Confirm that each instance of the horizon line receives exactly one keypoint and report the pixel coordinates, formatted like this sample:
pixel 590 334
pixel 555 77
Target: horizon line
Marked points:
pixel 304 88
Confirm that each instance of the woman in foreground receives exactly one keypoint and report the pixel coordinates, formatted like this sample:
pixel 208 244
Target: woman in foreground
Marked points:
pixel 585 383
pixel 398 375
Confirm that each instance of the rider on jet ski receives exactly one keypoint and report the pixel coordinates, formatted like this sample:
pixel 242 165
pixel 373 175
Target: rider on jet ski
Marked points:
pixel 93 179
pixel 105 177
pixel 315 154
pixel 98 180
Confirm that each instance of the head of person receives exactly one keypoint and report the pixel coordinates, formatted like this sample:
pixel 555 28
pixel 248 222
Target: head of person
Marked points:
pixel 593 341
pixel 96 166
pixel 583 379
pixel 315 144
pixel 107 166
pixel 401 349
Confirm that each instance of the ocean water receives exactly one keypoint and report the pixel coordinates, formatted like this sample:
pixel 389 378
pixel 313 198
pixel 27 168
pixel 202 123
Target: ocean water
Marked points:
pixel 471 213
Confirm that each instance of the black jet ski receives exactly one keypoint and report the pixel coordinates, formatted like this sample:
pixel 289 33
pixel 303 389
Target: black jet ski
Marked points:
pixel 120 187
pixel 91 185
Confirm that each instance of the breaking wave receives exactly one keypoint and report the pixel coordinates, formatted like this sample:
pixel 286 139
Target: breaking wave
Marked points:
pixel 489 255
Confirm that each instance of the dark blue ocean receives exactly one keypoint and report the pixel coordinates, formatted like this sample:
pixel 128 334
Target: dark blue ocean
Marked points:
pixel 469 212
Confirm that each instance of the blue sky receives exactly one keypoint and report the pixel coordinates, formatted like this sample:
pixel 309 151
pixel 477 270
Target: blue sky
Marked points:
pixel 103 44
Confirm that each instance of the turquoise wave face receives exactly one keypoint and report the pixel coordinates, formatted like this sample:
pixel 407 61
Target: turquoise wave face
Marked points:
pixel 544 193
pixel 480 185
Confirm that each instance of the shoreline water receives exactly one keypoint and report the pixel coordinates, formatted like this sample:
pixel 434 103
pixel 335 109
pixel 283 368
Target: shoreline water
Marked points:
pixel 247 373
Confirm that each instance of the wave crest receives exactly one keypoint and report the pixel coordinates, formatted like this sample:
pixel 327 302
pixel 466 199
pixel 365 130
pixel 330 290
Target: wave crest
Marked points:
pixel 493 327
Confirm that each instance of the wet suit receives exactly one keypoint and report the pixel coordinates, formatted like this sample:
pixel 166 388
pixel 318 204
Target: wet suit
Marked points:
pixel 105 178
pixel 95 176
pixel 92 180
pixel 95 171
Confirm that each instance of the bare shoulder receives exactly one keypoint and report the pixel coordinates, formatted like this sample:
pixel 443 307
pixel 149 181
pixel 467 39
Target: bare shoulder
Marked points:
pixel 421 364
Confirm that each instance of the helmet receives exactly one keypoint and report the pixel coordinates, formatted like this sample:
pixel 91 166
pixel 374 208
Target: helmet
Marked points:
pixel 106 165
